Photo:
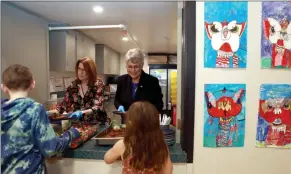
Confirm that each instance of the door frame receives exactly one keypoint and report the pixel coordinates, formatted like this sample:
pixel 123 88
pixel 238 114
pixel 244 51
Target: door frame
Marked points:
pixel 188 78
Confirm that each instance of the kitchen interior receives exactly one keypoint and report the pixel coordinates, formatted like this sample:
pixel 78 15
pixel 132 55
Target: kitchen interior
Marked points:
pixel 51 52
pixel 107 46
pixel 151 29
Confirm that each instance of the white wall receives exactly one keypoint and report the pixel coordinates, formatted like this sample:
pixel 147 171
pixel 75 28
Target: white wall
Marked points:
pixel 179 65
pixel 24 41
pixel 248 159
pixel 86 166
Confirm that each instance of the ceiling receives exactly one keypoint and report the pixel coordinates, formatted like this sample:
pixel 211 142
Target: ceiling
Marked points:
pixel 153 25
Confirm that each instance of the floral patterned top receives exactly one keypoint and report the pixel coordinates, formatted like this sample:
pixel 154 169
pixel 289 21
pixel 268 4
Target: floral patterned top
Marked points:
pixel 93 99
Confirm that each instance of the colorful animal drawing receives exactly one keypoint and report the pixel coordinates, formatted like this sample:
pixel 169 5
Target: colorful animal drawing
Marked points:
pixel 276 34
pixel 226 109
pixel 277 113
pixel 225 39
pixel 279 35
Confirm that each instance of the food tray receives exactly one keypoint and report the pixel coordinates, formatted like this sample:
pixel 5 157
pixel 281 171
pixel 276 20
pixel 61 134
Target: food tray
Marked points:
pixel 89 132
pixel 101 140
pixel 121 114
pixel 59 117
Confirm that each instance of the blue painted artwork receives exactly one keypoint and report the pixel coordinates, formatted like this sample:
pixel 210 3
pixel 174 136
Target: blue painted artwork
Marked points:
pixel 225 36
pixel 276 35
pixel 274 118
pixel 224 115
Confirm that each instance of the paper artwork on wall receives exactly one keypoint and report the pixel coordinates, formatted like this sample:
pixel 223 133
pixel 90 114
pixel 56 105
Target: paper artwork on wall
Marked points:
pixel 274 118
pixel 225 34
pixel 276 35
pixel 224 115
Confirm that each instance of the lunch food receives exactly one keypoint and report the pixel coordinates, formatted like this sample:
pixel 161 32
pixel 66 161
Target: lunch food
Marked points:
pixel 112 133
pixel 86 133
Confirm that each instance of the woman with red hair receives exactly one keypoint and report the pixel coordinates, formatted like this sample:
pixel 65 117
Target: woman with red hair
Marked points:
pixel 85 96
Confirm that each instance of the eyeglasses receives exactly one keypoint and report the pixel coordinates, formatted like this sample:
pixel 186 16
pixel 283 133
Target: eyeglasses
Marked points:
pixel 81 70
pixel 133 67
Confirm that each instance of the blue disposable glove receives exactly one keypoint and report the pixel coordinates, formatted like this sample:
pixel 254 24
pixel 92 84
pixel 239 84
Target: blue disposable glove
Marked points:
pixel 47 113
pixel 121 108
pixel 76 115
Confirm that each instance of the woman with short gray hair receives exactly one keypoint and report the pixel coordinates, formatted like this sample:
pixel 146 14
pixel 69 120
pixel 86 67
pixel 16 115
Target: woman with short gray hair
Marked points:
pixel 135 56
pixel 137 85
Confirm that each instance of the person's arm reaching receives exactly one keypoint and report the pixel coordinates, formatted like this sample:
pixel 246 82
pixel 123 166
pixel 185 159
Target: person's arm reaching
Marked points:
pixel 168 168
pixel 114 153
pixel 44 136
pixel 117 102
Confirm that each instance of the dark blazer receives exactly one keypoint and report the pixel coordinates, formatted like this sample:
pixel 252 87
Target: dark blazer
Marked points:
pixel 148 90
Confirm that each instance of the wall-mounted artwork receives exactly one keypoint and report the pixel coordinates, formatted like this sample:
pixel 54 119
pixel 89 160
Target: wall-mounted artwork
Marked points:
pixel 274 118
pixel 225 36
pixel 224 115
pixel 276 35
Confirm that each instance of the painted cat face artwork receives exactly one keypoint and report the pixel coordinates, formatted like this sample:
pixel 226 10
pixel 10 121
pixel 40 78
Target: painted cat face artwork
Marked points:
pixel 279 35
pixel 276 35
pixel 274 120
pixel 225 39
pixel 225 34
pixel 224 108
pixel 276 111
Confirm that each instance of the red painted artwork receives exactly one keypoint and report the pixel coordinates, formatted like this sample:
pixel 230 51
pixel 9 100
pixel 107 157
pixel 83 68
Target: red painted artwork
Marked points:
pixel 277 112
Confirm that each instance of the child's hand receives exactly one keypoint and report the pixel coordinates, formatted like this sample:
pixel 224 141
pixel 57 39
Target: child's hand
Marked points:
pixel 51 112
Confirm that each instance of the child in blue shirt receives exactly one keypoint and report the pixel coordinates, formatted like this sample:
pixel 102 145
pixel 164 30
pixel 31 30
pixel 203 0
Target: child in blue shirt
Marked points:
pixel 27 137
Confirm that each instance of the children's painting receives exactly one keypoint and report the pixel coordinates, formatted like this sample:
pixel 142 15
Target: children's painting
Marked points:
pixel 276 35
pixel 224 115
pixel 225 36
pixel 274 118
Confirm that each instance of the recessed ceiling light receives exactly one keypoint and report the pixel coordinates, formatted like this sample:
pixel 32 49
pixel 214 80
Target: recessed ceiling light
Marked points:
pixel 98 9
pixel 125 38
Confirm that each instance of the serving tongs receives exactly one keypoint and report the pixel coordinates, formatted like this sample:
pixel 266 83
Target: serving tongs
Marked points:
pixel 79 122
pixel 122 115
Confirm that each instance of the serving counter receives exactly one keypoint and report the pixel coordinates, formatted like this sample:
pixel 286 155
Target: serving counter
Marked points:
pixel 88 158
